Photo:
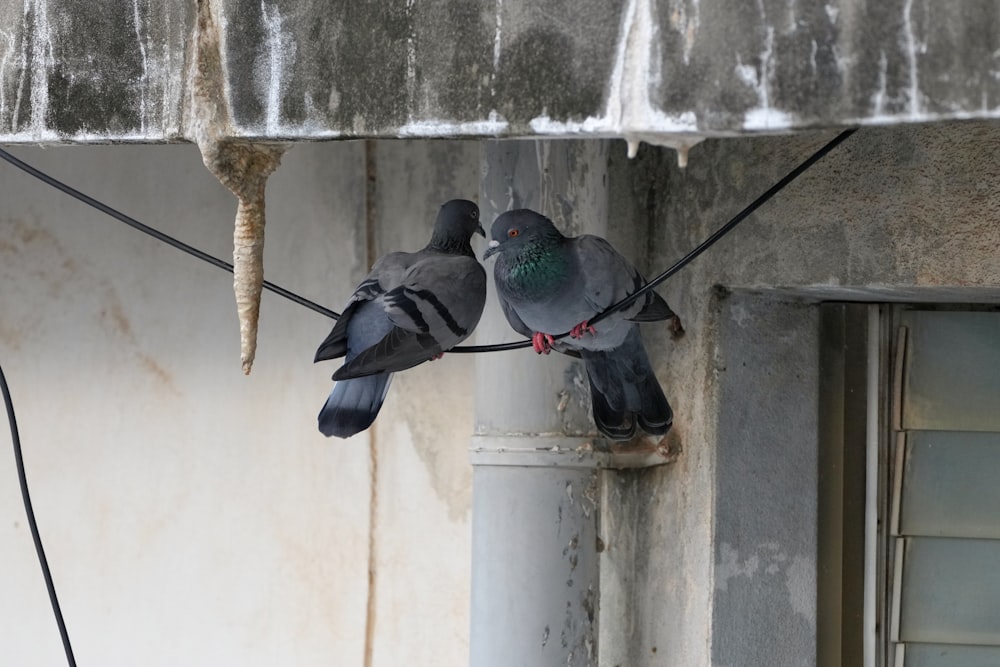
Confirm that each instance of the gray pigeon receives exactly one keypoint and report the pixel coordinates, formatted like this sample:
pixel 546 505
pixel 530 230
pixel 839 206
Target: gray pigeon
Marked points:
pixel 412 307
pixel 549 284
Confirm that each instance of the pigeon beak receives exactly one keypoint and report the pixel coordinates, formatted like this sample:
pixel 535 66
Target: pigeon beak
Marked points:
pixel 480 230
pixel 494 248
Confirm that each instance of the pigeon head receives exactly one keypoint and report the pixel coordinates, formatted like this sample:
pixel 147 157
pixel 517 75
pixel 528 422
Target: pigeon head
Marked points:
pixel 514 230
pixel 456 222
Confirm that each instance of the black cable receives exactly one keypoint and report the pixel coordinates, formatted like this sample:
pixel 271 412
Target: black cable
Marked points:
pixel 728 227
pixel 157 234
pixel 686 259
pixel 160 236
pixel 19 459
pixel 468 349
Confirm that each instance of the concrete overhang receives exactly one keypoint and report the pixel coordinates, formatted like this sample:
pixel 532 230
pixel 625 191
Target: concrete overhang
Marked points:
pixel 663 71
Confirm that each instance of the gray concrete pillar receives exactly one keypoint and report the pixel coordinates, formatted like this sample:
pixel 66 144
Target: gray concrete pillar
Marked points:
pixel 535 573
pixel 538 468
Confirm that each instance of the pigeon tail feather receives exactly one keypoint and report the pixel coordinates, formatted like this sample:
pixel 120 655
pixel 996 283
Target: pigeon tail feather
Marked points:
pixel 353 405
pixel 615 424
pixel 625 392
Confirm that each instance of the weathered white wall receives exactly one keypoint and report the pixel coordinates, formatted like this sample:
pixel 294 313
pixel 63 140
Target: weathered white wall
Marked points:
pixel 719 549
pixel 726 566
pixel 193 515
pixel 424 482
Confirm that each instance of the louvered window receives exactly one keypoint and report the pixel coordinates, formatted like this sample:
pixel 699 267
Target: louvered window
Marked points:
pixel 945 520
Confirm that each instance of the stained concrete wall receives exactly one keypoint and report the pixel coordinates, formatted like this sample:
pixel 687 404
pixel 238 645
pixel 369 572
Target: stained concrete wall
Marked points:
pixel 648 69
pixel 193 515
pixel 903 214
pixel 717 553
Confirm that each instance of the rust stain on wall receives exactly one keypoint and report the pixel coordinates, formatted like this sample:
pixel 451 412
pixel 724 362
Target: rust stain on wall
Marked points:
pixel 33 259
pixel 441 440
pixel 29 256
pixel 11 336
pixel 113 317
pixel 119 321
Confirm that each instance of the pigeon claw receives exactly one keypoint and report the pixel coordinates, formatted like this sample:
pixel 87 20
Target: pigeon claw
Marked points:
pixel 542 342
pixel 581 329
pixel 437 356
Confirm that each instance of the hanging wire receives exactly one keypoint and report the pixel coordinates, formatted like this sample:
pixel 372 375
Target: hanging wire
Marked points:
pixel 160 236
pixel 157 234
pixel 729 226
pixel 688 258
pixel 32 524
pixel 468 349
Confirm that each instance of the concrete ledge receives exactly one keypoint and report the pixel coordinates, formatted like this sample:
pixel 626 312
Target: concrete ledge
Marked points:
pixel 660 71
pixel 566 452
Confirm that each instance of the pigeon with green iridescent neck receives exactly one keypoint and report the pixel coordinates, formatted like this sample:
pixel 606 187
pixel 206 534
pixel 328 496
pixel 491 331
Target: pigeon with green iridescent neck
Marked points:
pixel 549 284
pixel 412 307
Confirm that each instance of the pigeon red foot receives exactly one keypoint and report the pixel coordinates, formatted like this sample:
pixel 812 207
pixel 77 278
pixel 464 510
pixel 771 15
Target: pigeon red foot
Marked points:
pixel 542 342
pixel 581 329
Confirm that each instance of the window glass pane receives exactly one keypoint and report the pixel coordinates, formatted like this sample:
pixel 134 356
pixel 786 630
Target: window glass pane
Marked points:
pixel 951 591
pixel 951 485
pixel 951 376
pixel 943 655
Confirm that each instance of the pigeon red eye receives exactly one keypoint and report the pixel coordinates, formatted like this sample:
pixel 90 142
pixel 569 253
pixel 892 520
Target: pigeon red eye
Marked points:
pixel 512 233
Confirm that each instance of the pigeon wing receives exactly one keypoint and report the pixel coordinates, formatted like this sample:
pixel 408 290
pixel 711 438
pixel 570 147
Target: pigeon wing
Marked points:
pixel 513 318
pixel 608 278
pixel 335 344
pixel 436 307
pixel 385 274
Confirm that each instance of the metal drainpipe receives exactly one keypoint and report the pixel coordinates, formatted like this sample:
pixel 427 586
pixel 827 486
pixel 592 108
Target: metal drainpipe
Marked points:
pixel 538 472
